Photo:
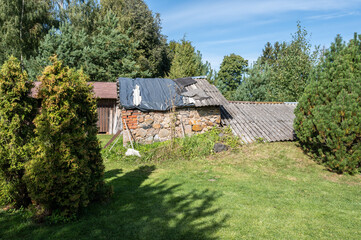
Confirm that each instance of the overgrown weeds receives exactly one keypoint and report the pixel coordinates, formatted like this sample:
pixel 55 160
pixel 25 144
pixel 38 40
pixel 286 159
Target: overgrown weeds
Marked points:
pixel 196 146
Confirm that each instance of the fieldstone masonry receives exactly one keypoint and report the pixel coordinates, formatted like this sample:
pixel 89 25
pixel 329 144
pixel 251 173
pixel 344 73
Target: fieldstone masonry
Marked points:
pixel 148 127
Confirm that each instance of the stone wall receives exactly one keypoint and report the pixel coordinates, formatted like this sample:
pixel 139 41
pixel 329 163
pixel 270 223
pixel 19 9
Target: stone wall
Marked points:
pixel 148 127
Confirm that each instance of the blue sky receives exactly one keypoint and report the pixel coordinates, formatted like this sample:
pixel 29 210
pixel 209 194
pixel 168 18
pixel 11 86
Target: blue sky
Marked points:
pixel 218 28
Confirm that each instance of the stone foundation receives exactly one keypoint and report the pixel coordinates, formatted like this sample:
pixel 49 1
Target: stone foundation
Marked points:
pixel 148 127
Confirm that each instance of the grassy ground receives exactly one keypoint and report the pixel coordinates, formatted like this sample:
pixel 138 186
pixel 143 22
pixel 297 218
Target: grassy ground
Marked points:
pixel 104 138
pixel 261 191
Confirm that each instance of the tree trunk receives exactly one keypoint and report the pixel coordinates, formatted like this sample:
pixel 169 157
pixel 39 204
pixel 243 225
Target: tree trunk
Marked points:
pixel 21 33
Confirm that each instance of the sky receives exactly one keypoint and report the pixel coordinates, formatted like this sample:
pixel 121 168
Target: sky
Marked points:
pixel 218 28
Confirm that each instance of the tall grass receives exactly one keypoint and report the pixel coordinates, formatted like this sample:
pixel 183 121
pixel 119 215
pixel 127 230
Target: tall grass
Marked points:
pixel 199 145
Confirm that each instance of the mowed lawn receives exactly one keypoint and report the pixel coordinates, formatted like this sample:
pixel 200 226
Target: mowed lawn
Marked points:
pixel 261 191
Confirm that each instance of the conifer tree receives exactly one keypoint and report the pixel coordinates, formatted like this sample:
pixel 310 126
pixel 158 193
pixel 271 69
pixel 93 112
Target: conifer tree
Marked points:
pixel 328 116
pixel 105 55
pixel 66 172
pixel 17 111
pixel 255 87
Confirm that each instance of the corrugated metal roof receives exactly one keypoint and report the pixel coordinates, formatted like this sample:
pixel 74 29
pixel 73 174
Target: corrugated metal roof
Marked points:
pixel 271 121
pixel 103 90
pixel 209 89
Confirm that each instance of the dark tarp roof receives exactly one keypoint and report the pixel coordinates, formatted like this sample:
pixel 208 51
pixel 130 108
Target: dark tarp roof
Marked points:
pixel 158 94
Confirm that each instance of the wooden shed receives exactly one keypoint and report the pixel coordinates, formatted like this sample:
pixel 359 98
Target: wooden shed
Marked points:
pixel 108 109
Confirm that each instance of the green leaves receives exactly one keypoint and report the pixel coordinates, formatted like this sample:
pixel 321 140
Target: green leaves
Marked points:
pixel 22 26
pixel 186 61
pixel 232 70
pixel 143 28
pixel 281 73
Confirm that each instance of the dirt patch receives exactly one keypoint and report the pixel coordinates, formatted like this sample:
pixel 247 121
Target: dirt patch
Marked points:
pixel 291 178
pixel 342 179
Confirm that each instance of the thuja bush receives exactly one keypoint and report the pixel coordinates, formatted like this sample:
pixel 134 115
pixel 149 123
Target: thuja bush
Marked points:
pixel 328 116
pixel 17 111
pixel 66 172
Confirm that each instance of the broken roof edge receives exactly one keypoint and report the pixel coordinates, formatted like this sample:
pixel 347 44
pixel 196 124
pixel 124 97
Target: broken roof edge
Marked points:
pixel 199 77
pixel 255 102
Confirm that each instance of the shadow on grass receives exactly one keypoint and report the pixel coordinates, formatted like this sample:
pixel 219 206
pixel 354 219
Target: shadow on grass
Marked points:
pixel 155 210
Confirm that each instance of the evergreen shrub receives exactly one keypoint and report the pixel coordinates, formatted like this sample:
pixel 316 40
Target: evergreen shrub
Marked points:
pixel 17 111
pixel 328 116
pixel 66 172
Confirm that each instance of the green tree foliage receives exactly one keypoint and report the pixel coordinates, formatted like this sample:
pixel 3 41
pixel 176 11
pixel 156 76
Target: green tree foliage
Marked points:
pixel 144 29
pixel 23 23
pixel 66 172
pixel 328 116
pixel 270 54
pixel 186 61
pixel 290 73
pixel 231 72
pixel 81 14
pixel 17 111
pixel 282 72
pixel 104 56
pixel 254 87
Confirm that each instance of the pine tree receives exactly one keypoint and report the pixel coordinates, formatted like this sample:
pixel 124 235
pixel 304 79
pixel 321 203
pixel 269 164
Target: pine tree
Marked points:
pixel 255 86
pixel 105 55
pixel 111 54
pixel 230 74
pixel 17 111
pixel 66 171
pixel 270 54
pixel 328 116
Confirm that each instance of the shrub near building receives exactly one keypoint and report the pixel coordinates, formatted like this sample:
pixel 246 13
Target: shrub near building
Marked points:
pixel 66 172
pixel 17 111
pixel 328 116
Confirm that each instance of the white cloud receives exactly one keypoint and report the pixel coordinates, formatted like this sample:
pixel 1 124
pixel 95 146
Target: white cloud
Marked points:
pixel 332 15
pixel 215 12
pixel 253 38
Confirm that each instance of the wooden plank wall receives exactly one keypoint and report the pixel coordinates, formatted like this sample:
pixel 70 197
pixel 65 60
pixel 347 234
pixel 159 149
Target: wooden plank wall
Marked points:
pixel 105 109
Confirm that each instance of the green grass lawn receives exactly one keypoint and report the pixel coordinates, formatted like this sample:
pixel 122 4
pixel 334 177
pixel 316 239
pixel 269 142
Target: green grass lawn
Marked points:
pixel 104 138
pixel 261 191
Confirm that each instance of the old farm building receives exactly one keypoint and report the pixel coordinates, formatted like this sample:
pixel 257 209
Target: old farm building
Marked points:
pixel 198 106
pixel 108 109
pixel 157 109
